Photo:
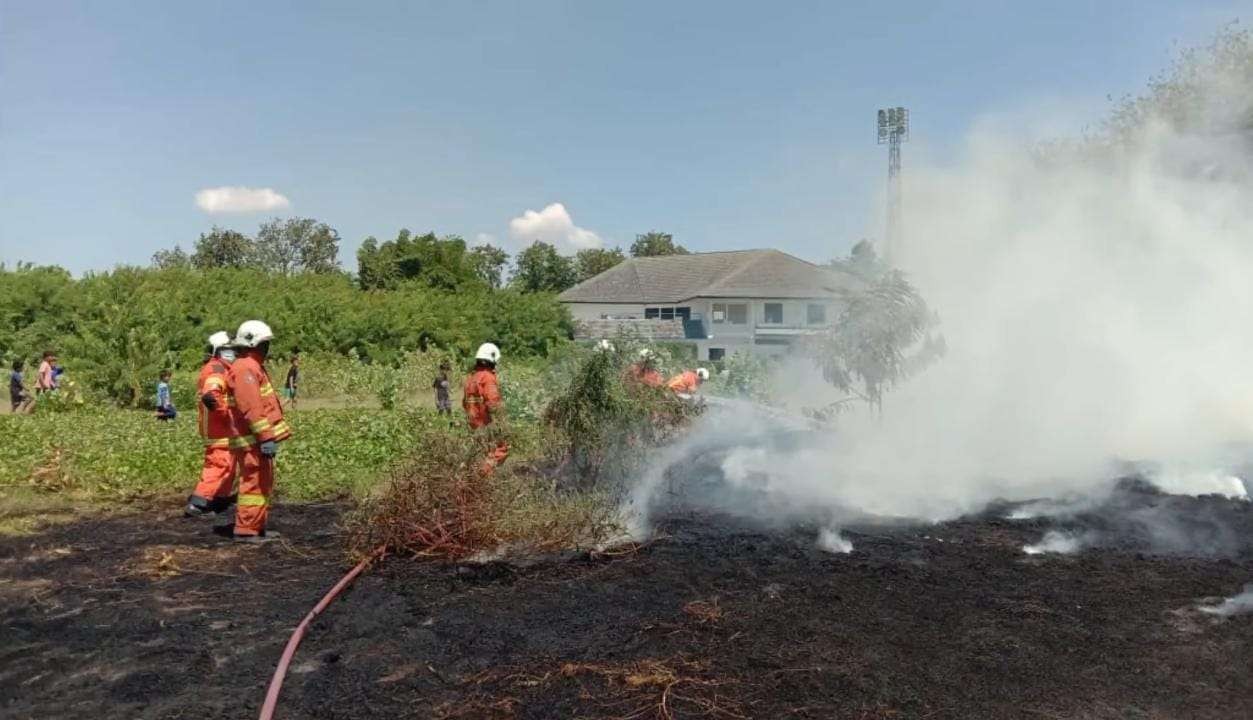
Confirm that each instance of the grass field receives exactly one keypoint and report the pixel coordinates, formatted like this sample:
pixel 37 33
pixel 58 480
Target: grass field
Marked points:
pixel 122 453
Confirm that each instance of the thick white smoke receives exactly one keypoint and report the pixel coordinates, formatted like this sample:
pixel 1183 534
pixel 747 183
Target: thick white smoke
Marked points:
pixel 1098 311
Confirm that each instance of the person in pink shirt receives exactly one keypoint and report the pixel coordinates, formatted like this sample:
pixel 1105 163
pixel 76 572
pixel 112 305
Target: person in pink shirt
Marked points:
pixel 44 381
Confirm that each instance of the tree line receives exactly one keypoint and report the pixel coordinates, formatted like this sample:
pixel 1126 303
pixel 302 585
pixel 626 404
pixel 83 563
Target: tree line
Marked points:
pixel 297 245
pixel 114 331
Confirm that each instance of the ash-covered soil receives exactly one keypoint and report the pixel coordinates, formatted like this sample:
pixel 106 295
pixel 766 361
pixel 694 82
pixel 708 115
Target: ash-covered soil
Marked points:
pixel 151 617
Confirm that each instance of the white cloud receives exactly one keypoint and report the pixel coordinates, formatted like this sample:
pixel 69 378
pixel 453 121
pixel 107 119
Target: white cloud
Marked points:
pixel 235 199
pixel 553 225
pixel 483 239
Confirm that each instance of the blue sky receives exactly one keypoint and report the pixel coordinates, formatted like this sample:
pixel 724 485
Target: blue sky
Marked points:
pixel 729 124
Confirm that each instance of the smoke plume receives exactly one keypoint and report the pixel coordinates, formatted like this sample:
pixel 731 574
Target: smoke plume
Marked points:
pixel 1237 605
pixel 1056 542
pixel 1097 304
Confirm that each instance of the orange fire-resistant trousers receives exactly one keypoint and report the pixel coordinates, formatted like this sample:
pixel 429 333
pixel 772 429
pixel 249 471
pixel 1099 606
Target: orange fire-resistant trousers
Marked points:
pixel 256 483
pixel 218 474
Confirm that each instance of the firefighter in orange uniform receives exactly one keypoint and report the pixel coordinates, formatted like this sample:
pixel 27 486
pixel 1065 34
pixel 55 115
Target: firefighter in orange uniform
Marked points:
pixel 258 412
pixel 482 402
pixel 223 446
pixel 687 383
pixel 644 371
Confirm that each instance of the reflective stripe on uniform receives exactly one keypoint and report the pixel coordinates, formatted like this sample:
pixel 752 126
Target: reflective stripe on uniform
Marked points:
pixel 217 442
pixel 243 441
pixel 281 427
pixel 213 383
pixel 250 500
pixel 267 389
pixel 259 425
pixel 475 400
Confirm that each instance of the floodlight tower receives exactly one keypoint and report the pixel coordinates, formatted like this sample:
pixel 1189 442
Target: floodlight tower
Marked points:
pixel 893 130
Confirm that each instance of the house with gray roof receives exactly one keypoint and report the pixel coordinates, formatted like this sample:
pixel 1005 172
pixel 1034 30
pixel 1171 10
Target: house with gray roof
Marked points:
pixel 761 301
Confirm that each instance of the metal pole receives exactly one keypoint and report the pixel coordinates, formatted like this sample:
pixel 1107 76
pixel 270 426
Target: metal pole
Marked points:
pixel 893 130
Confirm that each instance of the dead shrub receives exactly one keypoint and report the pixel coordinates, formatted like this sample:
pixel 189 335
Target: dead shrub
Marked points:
pixel 560 488
pixel 435 503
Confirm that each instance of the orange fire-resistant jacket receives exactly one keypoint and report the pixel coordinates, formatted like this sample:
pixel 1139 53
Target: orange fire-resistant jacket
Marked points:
pixel 481 398
pixel 217 426
pixel 646 375
pixel 256 404
pixel 685 382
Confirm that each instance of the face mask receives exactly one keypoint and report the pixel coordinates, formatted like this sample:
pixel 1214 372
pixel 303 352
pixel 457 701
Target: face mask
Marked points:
pixel 227 354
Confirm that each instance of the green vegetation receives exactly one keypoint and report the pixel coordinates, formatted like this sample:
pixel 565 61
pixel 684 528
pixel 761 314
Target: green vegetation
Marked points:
pixel 540 268
pixel 591 262
pixel 114 331
pixel 653 243
pixel 439 263
pixel 108 453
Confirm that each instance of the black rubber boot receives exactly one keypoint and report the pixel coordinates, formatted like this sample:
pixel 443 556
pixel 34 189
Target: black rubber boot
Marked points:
pixel 198 507
pixel 222 504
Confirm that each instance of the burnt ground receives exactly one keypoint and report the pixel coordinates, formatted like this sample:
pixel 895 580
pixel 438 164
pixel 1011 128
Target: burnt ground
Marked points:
pixel 150 616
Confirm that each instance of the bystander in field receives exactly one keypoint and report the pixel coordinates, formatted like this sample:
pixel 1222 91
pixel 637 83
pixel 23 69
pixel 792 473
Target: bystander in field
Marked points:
pixel 19 399
pixel 292 384
pixel 46 379
pixel 442 387
pixel 165 404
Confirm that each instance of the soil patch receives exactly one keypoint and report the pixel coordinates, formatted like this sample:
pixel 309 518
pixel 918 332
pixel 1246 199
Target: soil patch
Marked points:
pixel 153 617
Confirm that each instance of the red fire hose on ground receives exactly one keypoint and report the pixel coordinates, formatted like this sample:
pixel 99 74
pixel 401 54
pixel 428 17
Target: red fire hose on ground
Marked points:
pixel 280 672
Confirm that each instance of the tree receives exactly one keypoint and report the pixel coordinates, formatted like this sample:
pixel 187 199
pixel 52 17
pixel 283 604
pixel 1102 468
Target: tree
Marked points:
pixel 169 259
pixel 881 337
pixel 442 263
pixel 221 248
pixel 654 243
pixel 540 268
pixel 489 264
pixel 862 261
pixel 594 261
pixel 297 245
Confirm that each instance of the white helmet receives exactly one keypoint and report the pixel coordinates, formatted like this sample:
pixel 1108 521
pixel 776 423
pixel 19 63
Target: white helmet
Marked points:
pixel 252 333
pixel 702 373
pixel 604 346
pixel 488 352
pixel 219 340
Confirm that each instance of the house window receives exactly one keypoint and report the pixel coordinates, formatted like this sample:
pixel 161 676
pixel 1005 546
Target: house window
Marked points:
pixel 816 314
pixel 717 353
pixel 667 313
pixel 732 313
pixel 773 314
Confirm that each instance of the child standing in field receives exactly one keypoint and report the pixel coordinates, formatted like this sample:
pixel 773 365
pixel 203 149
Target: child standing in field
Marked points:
pixel 18 397
pixel 165 404
pixel 443 398
pixel 293 381
pixel 45 382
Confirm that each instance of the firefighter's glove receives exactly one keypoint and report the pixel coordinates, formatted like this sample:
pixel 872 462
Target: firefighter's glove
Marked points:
pixel 209 401
pixel 269 448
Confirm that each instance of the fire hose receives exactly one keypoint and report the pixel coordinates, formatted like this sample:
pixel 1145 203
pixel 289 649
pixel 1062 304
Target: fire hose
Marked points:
pixel 280 672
